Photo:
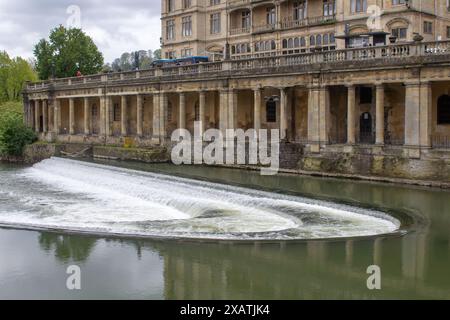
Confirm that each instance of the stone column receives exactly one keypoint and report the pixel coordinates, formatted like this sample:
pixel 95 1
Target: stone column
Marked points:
pixel 139 115
pixel 223 114
pixel 156 120
pixel 351 114
pixel 324 115
pixel 56 116
pixel 44 116
pixel 123 115
pixel 108 115
pixel 233 109
pixel 71 116
pixel 412 114
pixel 87 114
pixel 37 122
pixel 426 114
pixel 379 114
pixel 283 114
pixel 257 109
pixel 202 106
pixel 163 105
pixel 182 111
pixel 314 118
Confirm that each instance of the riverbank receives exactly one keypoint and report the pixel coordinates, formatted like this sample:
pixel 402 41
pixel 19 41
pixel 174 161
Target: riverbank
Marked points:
pixel 432 173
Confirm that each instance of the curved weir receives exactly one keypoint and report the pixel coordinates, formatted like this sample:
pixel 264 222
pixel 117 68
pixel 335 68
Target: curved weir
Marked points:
pixel 85 197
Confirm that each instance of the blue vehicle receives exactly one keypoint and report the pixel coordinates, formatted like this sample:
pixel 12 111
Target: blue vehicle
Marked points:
pixel 180 62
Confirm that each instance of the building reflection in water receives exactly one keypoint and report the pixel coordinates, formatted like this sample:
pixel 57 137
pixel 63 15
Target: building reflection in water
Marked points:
pixel 67 247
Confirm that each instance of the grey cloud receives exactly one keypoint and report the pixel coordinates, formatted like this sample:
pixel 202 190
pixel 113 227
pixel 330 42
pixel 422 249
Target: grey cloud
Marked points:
pixel 116 26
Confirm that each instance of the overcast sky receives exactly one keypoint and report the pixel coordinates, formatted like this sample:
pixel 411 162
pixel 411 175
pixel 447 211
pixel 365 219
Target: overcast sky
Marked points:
pixel 116 26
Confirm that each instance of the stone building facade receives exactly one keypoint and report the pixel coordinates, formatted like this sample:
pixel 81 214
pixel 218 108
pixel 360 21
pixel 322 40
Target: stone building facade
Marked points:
pixel 361 98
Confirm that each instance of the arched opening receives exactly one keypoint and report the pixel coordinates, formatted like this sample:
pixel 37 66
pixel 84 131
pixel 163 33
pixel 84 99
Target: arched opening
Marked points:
pixel 443 110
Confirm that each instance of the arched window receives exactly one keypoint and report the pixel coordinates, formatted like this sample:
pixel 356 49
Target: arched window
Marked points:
pixel 285 43
pixel 319 40
pixel 325 39
pixel 312 41
pixel 273 45
pixel 332 38
pixel 271 111
pixel 290 43
pixel 302 42
pixel 296 42
pixel 257 47
pixel 443 110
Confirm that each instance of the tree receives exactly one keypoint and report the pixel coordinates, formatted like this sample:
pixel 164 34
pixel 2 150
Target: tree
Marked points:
pixel 66 52
pixel 13 75
pixel 141 59
pixel 14 134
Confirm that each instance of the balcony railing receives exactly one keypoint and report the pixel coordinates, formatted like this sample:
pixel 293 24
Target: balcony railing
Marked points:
pixel 236 31
pixel 396 53
pixel 291 23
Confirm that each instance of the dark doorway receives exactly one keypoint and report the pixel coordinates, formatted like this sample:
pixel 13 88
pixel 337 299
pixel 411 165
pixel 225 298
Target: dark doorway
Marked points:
pixel 365 128
pixel 443 110
pixel 41 124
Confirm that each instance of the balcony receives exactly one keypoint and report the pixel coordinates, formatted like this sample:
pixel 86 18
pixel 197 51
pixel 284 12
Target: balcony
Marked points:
pixel 382 56
pixel 312 21
pixel 238 31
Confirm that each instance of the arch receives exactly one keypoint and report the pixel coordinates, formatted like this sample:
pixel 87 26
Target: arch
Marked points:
pixel 398 22
pixel 443 110
pixel 285 43
pixel 358 29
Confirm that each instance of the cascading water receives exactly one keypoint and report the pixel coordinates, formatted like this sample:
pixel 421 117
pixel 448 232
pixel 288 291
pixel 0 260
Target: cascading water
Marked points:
pixel 86 197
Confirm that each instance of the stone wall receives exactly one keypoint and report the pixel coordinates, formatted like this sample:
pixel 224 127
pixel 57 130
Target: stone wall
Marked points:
pixel 153 155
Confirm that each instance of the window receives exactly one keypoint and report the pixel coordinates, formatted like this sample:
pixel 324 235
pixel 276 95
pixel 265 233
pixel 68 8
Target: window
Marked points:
pixel 428 27
pixel 169 112
pixel 116 112
pixel 197 111
pixel 365 95
pixel 246 19
pixel 215 23
pixel 299 10
pixel 448 32
pixel 358 6
pixel 443 110
pixel 186 53
pixel 329 8
pixel 170 5
pixel 271 111
pixel 271 16
pixel 171 55
pixel 186 4
pixel 187 26
pixel 170 30
pixel 397 2
pixel 214 2
pixel 399 33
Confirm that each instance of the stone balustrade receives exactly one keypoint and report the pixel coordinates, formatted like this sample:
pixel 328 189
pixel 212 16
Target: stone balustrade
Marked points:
pixel 396 53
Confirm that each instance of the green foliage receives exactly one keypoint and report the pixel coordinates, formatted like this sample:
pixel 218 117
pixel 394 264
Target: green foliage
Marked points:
pixel 14 135
pixel 134 60
pixel 13 75
pixel 66 52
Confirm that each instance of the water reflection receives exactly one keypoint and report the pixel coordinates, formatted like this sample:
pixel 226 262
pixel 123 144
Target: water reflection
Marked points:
pixel 67 247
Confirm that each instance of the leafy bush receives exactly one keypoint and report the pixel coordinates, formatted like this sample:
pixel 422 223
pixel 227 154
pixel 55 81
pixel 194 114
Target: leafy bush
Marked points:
pixel 14 135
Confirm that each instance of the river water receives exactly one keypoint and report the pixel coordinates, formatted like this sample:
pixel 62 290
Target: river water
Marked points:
pixel 165 232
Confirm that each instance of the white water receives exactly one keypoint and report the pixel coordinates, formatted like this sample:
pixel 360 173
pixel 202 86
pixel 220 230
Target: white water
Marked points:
pixel 78 196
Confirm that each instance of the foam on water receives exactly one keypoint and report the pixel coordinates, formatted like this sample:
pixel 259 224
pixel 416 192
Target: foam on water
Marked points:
pixel 78 196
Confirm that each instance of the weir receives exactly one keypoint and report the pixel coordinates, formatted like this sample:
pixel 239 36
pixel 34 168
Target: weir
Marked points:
pixel 99 199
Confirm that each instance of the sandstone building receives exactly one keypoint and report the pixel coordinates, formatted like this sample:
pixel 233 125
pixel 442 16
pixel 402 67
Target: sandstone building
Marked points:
pixel 364 80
